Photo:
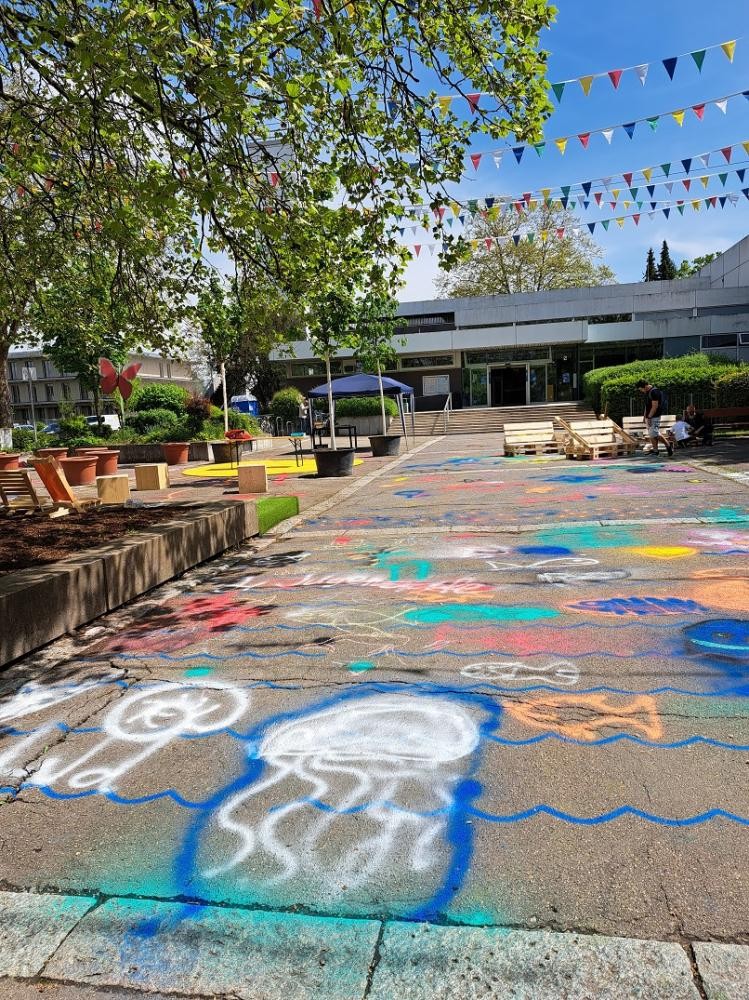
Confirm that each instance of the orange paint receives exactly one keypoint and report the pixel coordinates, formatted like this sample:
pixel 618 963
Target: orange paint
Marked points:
pixel 729 595
pixel 585 716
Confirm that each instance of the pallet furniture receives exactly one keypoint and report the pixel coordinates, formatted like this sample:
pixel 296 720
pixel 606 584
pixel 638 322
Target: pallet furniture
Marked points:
pixel 536 438
pixel 635 427
pixel 596 439
pixel 152 476
pixel 56 484
pixel 18 496
pixel 113 488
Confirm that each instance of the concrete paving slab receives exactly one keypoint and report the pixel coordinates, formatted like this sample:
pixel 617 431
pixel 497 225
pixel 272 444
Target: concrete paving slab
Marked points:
pixel 451 963
pixel 724 969
pixel 209 950
pixel 32 928
pixel 45 989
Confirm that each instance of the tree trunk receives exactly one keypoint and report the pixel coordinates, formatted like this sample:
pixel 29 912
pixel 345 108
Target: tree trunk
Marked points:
pixel 222 369
pixel 331 414
pixel 382 398
pixel 6 410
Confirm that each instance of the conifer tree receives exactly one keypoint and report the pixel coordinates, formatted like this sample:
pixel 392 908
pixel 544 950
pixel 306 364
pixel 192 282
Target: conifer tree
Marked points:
pixel 651 269
pixel 666 267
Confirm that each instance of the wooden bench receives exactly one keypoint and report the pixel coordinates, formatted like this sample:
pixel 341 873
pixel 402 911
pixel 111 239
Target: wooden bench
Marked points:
pixel 728 417
pixel 635 427
pixel 537 438
pixel 596 439
pixel 18 496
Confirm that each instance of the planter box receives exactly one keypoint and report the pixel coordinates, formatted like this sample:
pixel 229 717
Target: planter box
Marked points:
pixel 136 454
pixel 176 452
pixel 365 426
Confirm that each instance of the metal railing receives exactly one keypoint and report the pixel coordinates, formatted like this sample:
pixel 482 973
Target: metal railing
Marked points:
pixel 447 410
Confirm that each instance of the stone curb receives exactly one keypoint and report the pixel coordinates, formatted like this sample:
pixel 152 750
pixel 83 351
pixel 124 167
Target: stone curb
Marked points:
pixel 40 604
pixel 147 945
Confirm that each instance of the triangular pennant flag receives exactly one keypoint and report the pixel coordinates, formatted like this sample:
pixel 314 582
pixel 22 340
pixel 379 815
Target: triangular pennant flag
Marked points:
pixel 274 178
pixel 712 201
pixel 516 239
pixel 565 190
pixel 473 102
pixel 670 66
pixel 532 205
pixel 653 204
pixel 628 179
pixel 729 48
pixel 607 133
pixel 687 164
pixel 539 147
pixel 699 58
pixel 722 104
pixel 722 178
pixel 653 122
pixel 417 248
pixel 633 192
pixel 474 244
pixel 518 151
pixel 527 198
pixel 560 233
pixel 666 168
pixel 615 76
pixel 586 82
pixel 488 243
pixel 584 138
pixel 704 159
pixel 669 187
pixel 642 72
pixel 476 160
pixel 605 223
pixel 598 197
pixel 558 89
pixel 722 201
pixel 678 117
pixel 544 235
pixel 561 145
pixel 497 157
pixel 680 209
pixel 740 174
pixel 651 189
pixel 546 192
pixel 627 204
pixel 489 202
pixel 726 151
pixel 629 128
pixel 455 208
pixel 563 202
pixel 612 205
pixel 616 192
pixel 586 186
pixel 431 248
pixel 401 231
pixel 746 147
pixel 699 110
pixel 637 219
pixel 696 205
pixel 687 184
pixel 439 213
pixel 591 226
pixel 606 181
pixel 705 181
pixel 647 173
pixel 473 206
pixel 531 237
pixel 667 212
pixel 444 104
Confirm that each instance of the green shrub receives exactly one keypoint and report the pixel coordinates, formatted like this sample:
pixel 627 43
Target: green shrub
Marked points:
pixel 285 404
pixel 143 421
pixel 24 440
pixel 365 406
pixel 86 441
pixel 732 388
pixel 72 426
pixel 159 396
pixel 242 422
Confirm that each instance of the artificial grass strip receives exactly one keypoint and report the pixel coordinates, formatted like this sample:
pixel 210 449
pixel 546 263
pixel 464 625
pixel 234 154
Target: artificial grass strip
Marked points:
pixel 272 510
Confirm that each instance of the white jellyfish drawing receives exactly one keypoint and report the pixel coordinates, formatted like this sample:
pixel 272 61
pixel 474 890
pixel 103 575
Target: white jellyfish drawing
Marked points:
pixel 346 794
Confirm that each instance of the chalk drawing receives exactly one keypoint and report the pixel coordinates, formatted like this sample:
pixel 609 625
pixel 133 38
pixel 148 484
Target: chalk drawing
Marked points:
pixel 560 713
pixel 602 576
pixel 640 606
pixel 461 586
pixel 726 637
pixel 274 560
pixel 477 613
pixel 555 672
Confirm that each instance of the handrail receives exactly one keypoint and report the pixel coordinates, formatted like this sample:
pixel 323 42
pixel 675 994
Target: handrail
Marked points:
pixel 279 426
pixel 446 410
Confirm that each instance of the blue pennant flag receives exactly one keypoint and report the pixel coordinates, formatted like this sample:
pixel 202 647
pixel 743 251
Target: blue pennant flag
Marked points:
pixel 489 202
pixel 516 239
pixel 670 66
pixel 740 174
pixel 591 226
pixel 667 212
pixel 629 128
pixel 651 189
pixel 586 188
pixel 518 151
pixel 687 164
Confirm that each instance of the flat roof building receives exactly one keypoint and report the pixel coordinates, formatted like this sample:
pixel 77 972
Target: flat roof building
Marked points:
pixel 516 350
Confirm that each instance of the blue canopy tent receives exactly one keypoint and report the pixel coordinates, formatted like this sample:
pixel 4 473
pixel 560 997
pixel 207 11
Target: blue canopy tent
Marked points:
pixel 365 385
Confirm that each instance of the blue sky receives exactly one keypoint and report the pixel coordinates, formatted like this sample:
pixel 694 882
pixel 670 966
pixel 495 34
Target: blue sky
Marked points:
pixel 591 38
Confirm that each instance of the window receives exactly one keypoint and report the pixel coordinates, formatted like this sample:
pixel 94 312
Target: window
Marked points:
pixel 505 354
pixel 66 390
pixel 435 385
pixel 429 361
pixel 50 391
pixel 719 340
pixel 427 322
pixel 305 369
pixel 15 394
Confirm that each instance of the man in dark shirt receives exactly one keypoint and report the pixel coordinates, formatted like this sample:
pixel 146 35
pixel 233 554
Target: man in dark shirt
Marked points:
pixel 702 427
pixel 653 414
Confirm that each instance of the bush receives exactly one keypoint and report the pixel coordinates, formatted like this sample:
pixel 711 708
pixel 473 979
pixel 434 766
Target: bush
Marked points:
pixel 180 430
pixel 159 396
pixel 72 426
pixel 242 422
pixel 732 388
pixel 285 404
pixel 86 441
pixel 24 440
pixel 365 406
pixel 143 421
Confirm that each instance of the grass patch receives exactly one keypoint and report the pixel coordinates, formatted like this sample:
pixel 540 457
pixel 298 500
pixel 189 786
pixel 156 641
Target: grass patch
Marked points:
pixel 272 510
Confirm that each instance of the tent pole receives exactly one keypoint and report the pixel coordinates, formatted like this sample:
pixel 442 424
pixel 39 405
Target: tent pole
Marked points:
pixel 403 418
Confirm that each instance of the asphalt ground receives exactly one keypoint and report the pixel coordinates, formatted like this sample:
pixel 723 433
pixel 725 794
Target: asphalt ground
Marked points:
pixel 459 696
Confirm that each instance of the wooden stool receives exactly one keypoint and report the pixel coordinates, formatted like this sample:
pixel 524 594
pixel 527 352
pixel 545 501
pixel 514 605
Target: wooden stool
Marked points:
pixel 152 477
pixel 113 489
pixel 253 479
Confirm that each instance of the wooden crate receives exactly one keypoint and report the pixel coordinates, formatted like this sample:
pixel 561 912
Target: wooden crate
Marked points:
pixel 152 477
pixel 533 438
pixel 113 489
pixel 595 439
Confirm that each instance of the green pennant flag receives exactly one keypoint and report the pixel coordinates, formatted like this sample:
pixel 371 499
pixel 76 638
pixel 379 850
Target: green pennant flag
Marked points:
pixel 633 192
pixel 666 168
pixel 531 237
pixel 565 191
pixel 539 147
pixel 558 89
pixel 547 202
pixel 699 58
pixel 640 204
pixel 572 204
pixel 681 209
pixel 605 223
pixel 723 178
pixel 653 122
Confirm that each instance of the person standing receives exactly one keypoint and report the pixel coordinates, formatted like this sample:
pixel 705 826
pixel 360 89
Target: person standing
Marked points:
pixel 654 401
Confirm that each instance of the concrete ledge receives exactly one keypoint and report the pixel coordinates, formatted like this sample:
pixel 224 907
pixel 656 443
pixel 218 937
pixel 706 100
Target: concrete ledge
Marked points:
pixel 41 604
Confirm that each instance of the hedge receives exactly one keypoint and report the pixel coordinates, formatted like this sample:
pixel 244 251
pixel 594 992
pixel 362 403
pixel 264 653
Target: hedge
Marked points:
pixel 733 387
pixel 159 396
pixel 364 406
pixel 285 404
pixel 143 421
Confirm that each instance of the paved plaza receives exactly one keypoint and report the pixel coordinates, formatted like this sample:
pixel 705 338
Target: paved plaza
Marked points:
pixel 472 727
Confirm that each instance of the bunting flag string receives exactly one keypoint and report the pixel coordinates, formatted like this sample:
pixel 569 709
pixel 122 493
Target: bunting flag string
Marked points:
pixel 731 198
pixel 652 121
pixel 613 76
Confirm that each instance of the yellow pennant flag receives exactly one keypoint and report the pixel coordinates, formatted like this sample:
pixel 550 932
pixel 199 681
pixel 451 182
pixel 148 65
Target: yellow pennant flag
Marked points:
pixel 616 192
pixel 586 82
pixel 350 9
pixel 729 48
pixel 627 204
pixel 474 244
pixel 696 205
pixel 493 212
pixel 647 173
pixel 532 205
pixel 558 205
pixel 678 117
pixel 620 223
pixel 544 235
pixel 705 181
pixel 456 208
pixel 561 145
pixel 546 192
pixel 746 147
pixel 444 103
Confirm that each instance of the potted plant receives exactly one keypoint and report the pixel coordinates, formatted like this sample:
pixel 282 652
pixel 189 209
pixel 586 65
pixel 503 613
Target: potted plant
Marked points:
pixel 9 461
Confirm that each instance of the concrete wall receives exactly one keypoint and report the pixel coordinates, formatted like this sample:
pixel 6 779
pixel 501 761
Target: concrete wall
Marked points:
pixel 731 269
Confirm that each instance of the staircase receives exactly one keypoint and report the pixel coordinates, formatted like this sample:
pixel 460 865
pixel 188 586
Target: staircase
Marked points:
pixel 491 420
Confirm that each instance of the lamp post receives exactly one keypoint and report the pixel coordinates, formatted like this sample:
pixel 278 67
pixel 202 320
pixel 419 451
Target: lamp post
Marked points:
pixel 28 374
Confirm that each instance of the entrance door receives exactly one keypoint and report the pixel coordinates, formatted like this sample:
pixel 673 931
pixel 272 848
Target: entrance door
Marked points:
pixel 537 379
pixel 509 385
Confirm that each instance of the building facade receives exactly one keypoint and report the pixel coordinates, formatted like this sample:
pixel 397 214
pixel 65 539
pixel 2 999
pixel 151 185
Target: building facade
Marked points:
pixel 515 350
pixel 52 388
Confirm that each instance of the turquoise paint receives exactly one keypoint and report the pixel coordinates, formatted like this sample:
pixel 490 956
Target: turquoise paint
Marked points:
pixel 421 568
pixel 588 538
pixel 725 514
pixel 198 671
pixel 477 613
pixel 360 666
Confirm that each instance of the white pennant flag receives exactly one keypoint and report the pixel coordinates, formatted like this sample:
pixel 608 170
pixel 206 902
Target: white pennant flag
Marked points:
pixel 431 249
pixel 413 230
pixel 606 181
pixel 733 198
pixel 481 205
pixel 497 157
pixel 722 104
pixel 607 133
pixel 651 215
pixel 704 159
pixel 642 72
pixel 669 187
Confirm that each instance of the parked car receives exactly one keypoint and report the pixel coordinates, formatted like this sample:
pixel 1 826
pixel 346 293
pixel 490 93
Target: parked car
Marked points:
pixel 23 427
pixel 53 427
pixel 110 419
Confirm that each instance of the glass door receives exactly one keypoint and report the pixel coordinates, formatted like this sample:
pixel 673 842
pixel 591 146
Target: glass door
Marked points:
pixel 537 378
pixel 478 386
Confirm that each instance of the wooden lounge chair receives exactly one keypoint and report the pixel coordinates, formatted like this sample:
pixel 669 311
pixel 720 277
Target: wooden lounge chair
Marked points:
pixel 56 484
pixel 537 438
pixel 596 439
pixel 18 496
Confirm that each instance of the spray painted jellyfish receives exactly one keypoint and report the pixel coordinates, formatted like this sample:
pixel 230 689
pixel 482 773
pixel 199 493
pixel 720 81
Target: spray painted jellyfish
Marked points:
pixel 359 802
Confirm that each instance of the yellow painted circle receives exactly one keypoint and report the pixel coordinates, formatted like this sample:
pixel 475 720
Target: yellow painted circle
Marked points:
pixel 274 467
pixel 665 551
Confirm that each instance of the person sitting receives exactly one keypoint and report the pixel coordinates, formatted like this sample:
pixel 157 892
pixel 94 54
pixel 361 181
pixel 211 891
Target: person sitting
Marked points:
pixel 681 434
pixel 702 426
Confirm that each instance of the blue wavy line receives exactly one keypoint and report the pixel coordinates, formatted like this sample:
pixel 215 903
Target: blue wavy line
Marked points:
pixel 646 654
pixel 62 726
pixel 119 800
pixel 608 817
pixel 213 656
pixel 619 738
pixel 666 689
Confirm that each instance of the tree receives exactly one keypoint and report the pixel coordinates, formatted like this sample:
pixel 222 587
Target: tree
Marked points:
pixel 526 254
pixel 374 326
pixel 666 267
pixel 687 268
pixel 651 269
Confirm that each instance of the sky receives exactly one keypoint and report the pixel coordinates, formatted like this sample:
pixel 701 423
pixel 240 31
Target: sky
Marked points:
pixel 591 38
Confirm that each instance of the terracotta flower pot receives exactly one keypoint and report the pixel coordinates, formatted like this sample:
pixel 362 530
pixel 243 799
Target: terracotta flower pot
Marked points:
pixel 80 470
pixel 106 459
pixel 56 452
pixel 176 452
pixel 9 462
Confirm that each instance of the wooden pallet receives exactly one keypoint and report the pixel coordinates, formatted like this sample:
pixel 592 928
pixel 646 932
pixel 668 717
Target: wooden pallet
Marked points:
pixel 593 439
pixel 536 438
pixel 637 429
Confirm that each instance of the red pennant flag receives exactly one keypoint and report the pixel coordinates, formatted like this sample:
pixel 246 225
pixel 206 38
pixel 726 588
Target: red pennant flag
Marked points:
pixel 476 160
pixel 615 76
pixel 584 139
pixel 637 219
pixel 713 200
pixel 488 243
pixel 473 102
pixel 417 248
pixel 317 7
pixel 727 153
pixel 597 195
pixel 484 214
pixel 613 205
pixel 439 214
pixel 527 197
pixel 560 234
pixel 687 184
pixel 627 179
pixel 699 110
pixel 274 178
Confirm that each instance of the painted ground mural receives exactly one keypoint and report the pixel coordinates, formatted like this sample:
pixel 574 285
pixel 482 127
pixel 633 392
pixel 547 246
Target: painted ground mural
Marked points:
pixel 458 698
